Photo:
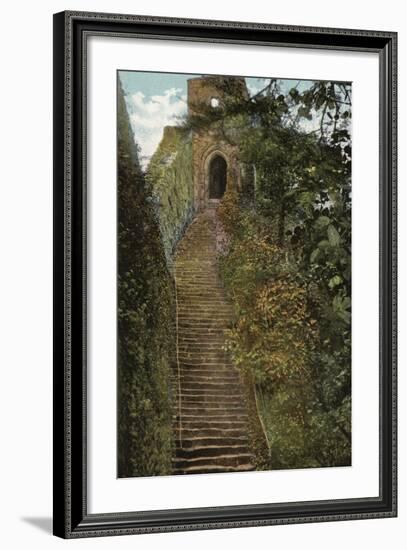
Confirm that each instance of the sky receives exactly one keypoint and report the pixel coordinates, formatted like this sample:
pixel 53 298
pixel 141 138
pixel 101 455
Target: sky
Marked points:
pixel 155 100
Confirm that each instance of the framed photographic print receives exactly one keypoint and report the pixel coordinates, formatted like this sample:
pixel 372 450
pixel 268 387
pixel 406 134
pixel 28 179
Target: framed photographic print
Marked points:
pixel 224 274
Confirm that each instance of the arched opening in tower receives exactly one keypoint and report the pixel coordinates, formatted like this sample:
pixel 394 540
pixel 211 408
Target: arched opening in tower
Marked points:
pixel 217 177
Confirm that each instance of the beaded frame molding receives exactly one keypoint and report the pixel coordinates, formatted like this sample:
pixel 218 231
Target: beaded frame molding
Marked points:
pixel 71 518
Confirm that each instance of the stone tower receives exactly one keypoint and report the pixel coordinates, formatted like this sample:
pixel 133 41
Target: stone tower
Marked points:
pixel 215 160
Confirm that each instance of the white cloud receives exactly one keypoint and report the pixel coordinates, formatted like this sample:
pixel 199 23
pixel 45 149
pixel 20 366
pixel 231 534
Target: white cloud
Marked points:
pixel 149 115
pixel 254 85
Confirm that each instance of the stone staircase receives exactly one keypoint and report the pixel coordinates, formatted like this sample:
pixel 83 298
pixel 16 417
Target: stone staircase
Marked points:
pixel 210 419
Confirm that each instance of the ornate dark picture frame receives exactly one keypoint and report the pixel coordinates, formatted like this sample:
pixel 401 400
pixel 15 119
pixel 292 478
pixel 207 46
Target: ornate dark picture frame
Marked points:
pixel 71 517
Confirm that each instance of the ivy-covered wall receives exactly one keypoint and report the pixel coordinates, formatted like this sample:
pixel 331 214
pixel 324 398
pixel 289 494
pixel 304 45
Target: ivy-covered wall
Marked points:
pixel 146 314
pixel 170 182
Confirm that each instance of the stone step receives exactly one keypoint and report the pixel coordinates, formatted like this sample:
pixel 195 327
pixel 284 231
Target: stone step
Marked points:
pixel 194 311
pixel 188 432
pixel 185 365
pixel 196 292
pixel 208 326
pixel 191 379
pixel 220 374
pixel 235 408
pixel 207 337
pixel 197 281
pixel 195 344
pixel 206 312
pixel 191 305
pixel 211 312
pixel 199 284
pixel 194 442
pixel 198 268
pixel 188 409
pixel 211 298
pixel 211 385
pixel 212 451
pixel 202 337
pixel 201 272
pixel 189 395
pixel 213 423
pixel 234 378
pixel 194 307
pixel 206 318
pixel 201 302
pixel 227 460
pixel 190 398
pixel 216 415
pixel 193 301
pixel 205 315
pixel 197 358
pixel 194 330
pixel 188 276
pixel 209 291
pixel 213 469
pixel 188 391
pixel 213 345
pixel 200 352
pixel 208 361
pixel 217 342
pixel 207 366
pixel 196 361
pixel 219 400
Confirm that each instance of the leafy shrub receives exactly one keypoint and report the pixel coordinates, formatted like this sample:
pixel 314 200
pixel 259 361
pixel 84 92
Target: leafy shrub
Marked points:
pixel 228 210
pixel 292 336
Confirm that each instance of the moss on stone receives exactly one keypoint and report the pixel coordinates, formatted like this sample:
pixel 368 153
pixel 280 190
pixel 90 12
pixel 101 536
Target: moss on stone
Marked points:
pixel 170 182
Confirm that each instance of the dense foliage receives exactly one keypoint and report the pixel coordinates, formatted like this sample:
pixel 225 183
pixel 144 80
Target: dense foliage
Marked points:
pixel 288 268
pixel 145 322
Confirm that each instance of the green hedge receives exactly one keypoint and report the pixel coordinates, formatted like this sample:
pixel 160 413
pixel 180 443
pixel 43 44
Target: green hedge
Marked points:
pixel 145 321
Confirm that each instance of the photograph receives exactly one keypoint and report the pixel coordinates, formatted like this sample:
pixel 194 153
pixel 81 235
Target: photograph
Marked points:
pixel 234 299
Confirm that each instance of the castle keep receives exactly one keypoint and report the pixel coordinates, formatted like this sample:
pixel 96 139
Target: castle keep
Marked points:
pixel 215 159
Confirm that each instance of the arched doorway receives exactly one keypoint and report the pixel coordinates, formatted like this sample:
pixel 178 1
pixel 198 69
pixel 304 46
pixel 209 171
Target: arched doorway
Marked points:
pixel 217 177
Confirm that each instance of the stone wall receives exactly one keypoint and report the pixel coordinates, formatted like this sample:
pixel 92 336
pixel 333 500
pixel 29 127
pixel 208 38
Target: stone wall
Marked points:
pixel 202 90
pixel 170 183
